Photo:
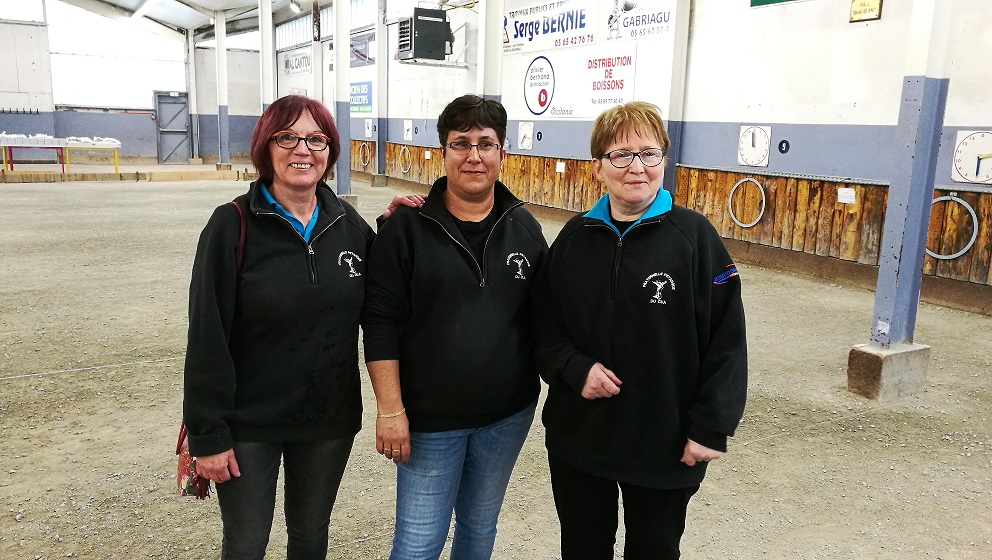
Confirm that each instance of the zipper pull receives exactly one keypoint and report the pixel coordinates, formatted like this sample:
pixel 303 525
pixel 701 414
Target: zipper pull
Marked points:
pixel 482 284
pixel 310 249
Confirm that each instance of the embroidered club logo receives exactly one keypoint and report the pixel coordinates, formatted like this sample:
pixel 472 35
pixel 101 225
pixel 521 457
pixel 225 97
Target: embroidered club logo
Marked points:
pixel 660 282
pixel 349 258
pixel 521 261
pixel 726 275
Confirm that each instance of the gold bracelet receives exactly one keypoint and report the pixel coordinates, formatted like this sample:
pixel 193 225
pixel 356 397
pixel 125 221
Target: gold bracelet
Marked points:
pixel 393 415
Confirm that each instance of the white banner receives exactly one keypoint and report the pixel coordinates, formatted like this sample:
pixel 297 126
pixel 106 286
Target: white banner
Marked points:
pixel 573 58
pixel 573 83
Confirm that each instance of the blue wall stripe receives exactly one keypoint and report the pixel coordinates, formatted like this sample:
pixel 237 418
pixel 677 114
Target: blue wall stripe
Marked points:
pixel 239 142
pixel 342 170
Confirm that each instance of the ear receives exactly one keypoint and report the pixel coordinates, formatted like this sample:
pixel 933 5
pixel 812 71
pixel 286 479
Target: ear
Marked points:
pixel 597 168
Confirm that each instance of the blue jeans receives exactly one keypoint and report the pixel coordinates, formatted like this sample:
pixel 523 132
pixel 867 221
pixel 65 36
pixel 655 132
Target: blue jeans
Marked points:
pixel 464 471
pixel 313 472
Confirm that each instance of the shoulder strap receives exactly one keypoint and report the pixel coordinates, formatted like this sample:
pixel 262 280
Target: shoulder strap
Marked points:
pixel 241 237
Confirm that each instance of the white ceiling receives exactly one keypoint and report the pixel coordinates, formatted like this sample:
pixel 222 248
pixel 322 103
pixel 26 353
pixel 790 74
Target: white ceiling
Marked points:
pixel 179 15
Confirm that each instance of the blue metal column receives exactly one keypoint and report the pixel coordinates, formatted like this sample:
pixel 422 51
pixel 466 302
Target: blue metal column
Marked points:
pixel 907 215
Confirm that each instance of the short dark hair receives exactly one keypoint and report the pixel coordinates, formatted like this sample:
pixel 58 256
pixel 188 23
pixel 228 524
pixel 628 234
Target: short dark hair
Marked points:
pixel 471 111
pixel 281 115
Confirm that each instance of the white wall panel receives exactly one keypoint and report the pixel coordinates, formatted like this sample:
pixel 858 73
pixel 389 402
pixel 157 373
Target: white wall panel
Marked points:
pixel 26 71
pixel 243 88
pixel 800 62
pixel 969 97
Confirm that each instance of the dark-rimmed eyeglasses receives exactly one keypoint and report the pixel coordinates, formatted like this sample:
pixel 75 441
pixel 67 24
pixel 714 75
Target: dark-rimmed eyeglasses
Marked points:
pixel 485 148
pixel 650 157
pixel 289 141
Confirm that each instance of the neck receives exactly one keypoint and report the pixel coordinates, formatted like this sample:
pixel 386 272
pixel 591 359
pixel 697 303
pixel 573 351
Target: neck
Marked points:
pixel 298 202
pixel 469 210
pixel 626 213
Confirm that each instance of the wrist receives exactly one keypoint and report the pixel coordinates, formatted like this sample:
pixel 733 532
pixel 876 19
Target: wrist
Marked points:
pixel 401 412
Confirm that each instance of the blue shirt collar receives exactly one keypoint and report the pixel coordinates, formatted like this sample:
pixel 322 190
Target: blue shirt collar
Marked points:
pixel 662 204
pixel 304 230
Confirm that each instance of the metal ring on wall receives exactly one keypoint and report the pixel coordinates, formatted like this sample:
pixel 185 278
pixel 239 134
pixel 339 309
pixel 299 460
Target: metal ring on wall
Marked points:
pixel 730 206
pixel 365 154
pixel 406 150
pixel 974 231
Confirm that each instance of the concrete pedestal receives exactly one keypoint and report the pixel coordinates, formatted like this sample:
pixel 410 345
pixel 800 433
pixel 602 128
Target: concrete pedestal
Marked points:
pixel 351 199
pixel 380 180
pixel 223 166
pixel 887 373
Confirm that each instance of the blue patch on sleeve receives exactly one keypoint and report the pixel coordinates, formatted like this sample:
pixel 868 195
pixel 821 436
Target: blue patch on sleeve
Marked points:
pixel 726 275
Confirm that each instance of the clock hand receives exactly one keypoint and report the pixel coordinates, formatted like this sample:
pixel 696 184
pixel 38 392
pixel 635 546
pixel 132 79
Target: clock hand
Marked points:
pixel 752 137
pixel 978 166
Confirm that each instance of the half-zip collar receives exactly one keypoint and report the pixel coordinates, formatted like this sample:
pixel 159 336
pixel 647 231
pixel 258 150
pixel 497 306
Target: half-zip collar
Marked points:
pixel 662 204
pixel 329 211
pixel 435 210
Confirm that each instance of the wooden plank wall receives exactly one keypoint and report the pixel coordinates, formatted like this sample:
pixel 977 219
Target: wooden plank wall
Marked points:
pixel 804 215
pixel 356 156
pixel 951 228
pixel 799 214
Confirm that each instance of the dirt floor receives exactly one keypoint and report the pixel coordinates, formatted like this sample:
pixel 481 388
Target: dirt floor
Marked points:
pixel 93 289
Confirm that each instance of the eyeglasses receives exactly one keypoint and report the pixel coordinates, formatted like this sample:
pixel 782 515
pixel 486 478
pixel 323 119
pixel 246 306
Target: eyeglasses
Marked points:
pixel 289 141
pixel 485 148
pixel 650 157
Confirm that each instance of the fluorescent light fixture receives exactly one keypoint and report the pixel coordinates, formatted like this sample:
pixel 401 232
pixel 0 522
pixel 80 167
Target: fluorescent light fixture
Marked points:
pixel 295 6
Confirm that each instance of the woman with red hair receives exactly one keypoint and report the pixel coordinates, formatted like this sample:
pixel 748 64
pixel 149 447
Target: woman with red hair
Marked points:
pixel 271 370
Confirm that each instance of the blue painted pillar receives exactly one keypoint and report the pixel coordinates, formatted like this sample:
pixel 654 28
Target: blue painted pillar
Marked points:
pixel 907 215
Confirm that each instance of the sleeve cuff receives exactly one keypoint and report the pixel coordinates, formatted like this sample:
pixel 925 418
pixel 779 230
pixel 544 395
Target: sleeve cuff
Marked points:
pixel 708 438
pixel 577 370
pixel 202 446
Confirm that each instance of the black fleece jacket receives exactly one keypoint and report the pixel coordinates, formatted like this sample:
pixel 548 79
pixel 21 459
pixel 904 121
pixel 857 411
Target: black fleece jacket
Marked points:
pixel 272 353
pixel 660 307
pixel 459 328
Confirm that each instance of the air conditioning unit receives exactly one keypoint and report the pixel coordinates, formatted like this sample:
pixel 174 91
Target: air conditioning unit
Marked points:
pixel 425 35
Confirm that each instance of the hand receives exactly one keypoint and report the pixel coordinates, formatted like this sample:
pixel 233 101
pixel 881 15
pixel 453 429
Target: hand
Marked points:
pixel 392 438
pixel 411 200
pixel 600 383
pixel 218 468
pixel 694 453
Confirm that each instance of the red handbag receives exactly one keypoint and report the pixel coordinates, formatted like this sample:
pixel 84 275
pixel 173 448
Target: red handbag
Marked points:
pixel 189 483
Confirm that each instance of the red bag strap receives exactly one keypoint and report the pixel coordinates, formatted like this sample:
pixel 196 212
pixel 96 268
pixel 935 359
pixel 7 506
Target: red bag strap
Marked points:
pixel 241 237
pixel 182 436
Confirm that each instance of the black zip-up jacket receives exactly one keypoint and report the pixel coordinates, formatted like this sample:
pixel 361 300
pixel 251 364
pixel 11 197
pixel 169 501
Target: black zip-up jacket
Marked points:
pixel 272 353
pixel 661 307
pixel 459 328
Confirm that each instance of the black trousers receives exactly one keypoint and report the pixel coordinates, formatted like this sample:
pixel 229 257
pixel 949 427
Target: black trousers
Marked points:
pixel 588 511
pixel 313 472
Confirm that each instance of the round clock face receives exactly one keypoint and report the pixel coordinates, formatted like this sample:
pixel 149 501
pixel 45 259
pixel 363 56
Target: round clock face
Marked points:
pixel 972 158
pixel 752 146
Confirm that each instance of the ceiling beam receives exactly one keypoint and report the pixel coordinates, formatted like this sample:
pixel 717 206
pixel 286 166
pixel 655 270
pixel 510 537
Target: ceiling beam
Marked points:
pixel 234 27
pixel 116 13
pixel 195 7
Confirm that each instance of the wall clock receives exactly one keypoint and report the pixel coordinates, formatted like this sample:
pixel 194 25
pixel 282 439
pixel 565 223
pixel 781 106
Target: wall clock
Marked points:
pixel 971 161
pixel 753 146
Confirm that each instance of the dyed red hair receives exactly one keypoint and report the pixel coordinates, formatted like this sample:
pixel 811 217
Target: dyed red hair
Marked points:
pixel 280 116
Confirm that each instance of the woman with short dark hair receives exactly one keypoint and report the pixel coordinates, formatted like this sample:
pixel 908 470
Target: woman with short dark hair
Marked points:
pixel 448 341
pixel 272 358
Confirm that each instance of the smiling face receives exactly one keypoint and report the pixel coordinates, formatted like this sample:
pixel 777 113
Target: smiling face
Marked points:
pixel 632 189
pixel 472 175
pixel 298 168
